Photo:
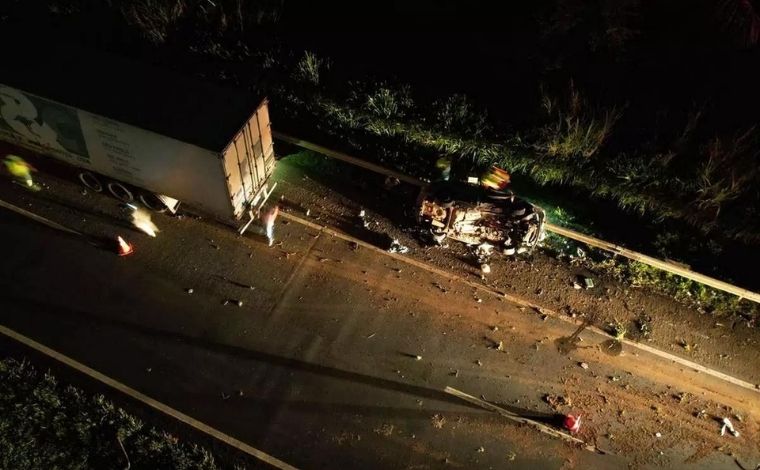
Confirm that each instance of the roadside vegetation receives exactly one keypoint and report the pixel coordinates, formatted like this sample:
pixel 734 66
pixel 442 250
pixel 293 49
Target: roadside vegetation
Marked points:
pixel 47 424
pixel 687 159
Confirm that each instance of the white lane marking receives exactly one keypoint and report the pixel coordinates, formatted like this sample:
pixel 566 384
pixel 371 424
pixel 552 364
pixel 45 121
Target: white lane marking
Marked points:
pixel 192 422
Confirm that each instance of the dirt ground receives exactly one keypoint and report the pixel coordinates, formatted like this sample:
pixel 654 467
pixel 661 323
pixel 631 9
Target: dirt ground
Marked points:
pixel 334 192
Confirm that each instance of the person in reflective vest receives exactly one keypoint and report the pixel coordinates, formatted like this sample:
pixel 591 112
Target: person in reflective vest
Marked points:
pixel 21 170
pixel 268 217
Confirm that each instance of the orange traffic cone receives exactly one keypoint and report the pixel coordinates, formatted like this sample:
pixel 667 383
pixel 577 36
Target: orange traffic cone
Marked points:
pixel 124 247
pixel 573 423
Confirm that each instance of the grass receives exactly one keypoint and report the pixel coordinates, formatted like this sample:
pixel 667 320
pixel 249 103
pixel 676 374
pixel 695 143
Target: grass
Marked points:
pixel 46 424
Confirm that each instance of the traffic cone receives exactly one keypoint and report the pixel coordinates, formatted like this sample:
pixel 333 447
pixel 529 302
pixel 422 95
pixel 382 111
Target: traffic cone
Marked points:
pixel 573 423
pixel 124 247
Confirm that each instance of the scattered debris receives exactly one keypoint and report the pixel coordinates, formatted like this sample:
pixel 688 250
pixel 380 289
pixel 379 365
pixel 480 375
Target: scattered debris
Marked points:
pixel 308 212
pixel 385 430
pixel 225 396
pixel 728 425
pixel 583 365
pixel 644 325
pixel 189 290
pixel 494 328
pixel 557 401
pixel 511 456
pixel 148 369
pixel 478 362
pixel 418 357
pixel 499 346
pixel 371 336
pixel 397 247
pixel 438 421
pixel 481 449
pixel 658 434
pixel 455 373
pixel 588 283
pixel 577 286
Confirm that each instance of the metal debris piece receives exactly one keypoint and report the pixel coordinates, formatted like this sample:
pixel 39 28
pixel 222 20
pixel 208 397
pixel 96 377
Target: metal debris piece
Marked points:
pixel 728 425
pixel 397 247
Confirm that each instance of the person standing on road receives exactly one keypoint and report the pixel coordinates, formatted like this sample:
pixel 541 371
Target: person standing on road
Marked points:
pixel 21 170
pixel 268 217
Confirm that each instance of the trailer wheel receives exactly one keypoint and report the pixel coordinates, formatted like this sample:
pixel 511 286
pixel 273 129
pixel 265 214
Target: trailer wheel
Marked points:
pixel 90 181
pixel 120 192
pixel 152 202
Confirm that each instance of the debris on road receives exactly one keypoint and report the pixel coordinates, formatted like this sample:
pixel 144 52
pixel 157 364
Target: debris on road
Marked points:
pixel 728 425
pixel 557 401
pixel 586 281
pixel 397 247
pixel 573 423
pixel 438 421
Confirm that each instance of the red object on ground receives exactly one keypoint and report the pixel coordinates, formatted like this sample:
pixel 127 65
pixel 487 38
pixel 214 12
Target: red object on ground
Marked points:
pixel 124 247
pixel 573 423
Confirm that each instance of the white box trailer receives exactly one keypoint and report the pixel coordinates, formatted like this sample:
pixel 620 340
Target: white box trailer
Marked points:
pixel 138 131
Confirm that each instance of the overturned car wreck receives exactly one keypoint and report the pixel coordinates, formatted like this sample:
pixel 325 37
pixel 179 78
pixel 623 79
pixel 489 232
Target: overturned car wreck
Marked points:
pixel 476 216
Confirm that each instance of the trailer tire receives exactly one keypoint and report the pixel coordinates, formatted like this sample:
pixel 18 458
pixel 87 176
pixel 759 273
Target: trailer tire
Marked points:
pixel 90 181
pixel 120 192
pixel 152 202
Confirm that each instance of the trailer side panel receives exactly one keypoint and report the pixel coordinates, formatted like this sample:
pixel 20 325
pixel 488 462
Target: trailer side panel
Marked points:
pixel 120 151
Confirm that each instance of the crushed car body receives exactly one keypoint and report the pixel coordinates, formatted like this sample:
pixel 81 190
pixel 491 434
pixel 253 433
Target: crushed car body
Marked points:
pixel 475 215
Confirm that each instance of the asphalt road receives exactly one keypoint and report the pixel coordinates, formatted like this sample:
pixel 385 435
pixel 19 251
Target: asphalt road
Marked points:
pixel 318 366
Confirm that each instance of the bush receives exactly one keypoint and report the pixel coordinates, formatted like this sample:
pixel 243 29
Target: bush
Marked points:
pixel 44 424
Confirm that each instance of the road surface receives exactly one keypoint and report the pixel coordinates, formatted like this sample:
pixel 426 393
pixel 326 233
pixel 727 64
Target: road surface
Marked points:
pixel 319 366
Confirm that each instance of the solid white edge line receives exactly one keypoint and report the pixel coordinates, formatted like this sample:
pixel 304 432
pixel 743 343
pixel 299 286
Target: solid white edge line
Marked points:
pixel 155 404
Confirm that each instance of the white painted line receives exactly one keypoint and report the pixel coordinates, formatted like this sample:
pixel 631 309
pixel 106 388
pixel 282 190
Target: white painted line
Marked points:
pixel 541 427
pixel 192 422
pixel 37 218
pixel 526 303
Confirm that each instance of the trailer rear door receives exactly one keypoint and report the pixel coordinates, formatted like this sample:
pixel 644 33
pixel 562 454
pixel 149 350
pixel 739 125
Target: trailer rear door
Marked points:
pixel 249 161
